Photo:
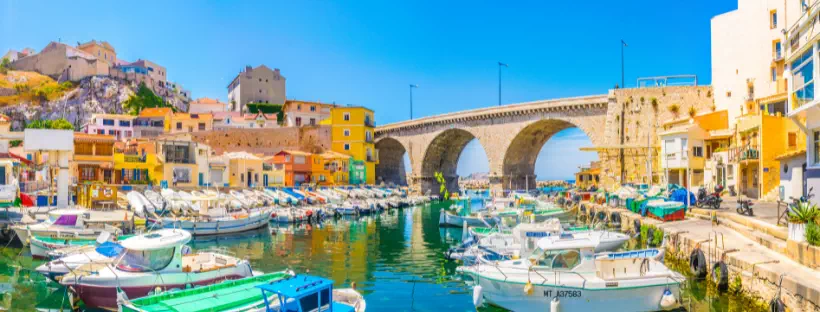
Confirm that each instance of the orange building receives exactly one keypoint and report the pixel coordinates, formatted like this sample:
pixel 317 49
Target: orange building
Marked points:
pixel 297 166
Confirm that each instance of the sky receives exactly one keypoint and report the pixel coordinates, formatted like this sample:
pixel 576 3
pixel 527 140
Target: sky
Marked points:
pixel 368 52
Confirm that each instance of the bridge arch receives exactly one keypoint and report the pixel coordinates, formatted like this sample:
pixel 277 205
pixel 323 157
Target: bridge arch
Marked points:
pixel 518 166
pixel 441 155
pixel 390 168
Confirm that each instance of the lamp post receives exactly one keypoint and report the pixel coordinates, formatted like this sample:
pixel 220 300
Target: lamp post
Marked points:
pixel 411 98
pixel 623 44
pixel 499 80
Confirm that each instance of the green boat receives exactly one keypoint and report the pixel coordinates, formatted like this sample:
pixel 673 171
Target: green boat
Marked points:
pixel 233 295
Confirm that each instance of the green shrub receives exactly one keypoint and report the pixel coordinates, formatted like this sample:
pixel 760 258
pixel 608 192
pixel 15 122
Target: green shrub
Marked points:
pixel 813 234
pixel 804 213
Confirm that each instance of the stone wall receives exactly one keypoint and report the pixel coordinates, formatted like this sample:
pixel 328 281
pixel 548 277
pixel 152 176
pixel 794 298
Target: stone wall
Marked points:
pixel 266 141
pixel 641 123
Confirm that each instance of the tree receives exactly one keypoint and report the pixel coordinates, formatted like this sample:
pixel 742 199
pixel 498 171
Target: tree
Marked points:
pixel 60 124
pixel 5 65
pixel 144 98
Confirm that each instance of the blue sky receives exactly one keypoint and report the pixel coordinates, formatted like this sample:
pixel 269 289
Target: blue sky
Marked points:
pixel 367 52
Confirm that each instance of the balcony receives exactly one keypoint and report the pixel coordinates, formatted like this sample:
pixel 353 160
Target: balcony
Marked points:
pixel 134 158
pixel 745 153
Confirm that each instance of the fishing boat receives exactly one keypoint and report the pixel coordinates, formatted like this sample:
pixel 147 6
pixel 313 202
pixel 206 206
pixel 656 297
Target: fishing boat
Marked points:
pixel 63 223
pixel 150 263
pixel 457 217
pixel 567 275
pixel 237 295
pixel 44 247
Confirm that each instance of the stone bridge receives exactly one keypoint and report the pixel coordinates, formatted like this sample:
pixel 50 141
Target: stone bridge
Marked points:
pixel 511 135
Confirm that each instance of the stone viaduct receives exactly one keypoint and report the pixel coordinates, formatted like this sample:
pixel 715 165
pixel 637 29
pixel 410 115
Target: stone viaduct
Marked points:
pixel 511 135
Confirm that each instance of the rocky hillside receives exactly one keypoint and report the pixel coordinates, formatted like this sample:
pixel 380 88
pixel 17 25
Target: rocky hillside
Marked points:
pixel 27 96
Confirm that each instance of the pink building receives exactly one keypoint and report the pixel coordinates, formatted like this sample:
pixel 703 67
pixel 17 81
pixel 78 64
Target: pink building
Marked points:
pixel 119 126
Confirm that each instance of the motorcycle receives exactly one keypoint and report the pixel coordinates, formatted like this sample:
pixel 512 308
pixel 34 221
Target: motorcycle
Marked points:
pixel 712 200
pixel 744 207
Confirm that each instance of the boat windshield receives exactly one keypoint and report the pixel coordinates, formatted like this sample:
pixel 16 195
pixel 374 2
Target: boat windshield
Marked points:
pixel 64 220
pixel 146 260
pixel 556 259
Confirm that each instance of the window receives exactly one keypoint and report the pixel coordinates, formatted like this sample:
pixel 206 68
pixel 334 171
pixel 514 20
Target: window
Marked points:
pixel 125 123
pixel 347 117
pixel 774 74
pixel 128 133
pixel 100 131
pixel 260 91
pixel 804 5
pixel 773 19
pixel 201 126
pixel 298 121
pixel 347 147
pixel 697 151
pixel 241 177
pixel 556 259
pixel 313 121
pixel 792 140
pixel 347 132
pixel 108 122
pixel 179 126
pixel 287 158
pixel 368 136
pixel 111 132
pixel 778 50
pixel 803 78
pixel 146 260
pixel 313 108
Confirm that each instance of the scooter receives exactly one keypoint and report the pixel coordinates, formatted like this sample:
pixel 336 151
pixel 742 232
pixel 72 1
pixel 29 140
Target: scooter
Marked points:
pixel 710 200
pixel 744 207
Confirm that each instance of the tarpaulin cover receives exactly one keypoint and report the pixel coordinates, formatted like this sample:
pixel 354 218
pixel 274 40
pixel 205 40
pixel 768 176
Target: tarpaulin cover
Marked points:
pixel 109 249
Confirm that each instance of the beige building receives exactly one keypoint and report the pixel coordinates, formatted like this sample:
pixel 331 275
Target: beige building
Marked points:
pixel 63 62
pixel 207 105
pixel 305 113
pixel 13 55
pixel 256 85
pixel 102 50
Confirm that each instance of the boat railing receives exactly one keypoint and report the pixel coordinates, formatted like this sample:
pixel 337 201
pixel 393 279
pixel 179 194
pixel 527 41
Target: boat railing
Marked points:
pixel 556 274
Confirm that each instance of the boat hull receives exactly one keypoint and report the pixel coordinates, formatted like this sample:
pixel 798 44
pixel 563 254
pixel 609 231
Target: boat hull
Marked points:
pixel 511 296
pixel 447 219
pixel 252 222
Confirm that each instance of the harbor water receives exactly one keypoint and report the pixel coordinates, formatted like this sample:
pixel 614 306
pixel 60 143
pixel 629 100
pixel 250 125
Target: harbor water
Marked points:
pixel 396 259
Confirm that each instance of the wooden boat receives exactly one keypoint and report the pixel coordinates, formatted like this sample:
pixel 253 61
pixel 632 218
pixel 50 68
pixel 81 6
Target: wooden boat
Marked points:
pixel 62 223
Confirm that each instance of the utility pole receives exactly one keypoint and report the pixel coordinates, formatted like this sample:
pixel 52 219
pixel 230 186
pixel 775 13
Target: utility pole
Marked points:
pixel 499 80
pixel 411 99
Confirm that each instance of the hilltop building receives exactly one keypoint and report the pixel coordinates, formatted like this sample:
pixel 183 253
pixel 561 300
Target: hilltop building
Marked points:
pixel 256 85
pixel 304 113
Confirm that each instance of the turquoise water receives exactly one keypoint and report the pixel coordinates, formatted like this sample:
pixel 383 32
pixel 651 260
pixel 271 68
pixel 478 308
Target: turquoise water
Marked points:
pixel 396 259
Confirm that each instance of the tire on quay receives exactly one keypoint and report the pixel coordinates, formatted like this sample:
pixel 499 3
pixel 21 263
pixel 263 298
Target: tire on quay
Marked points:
pixel 615 217
pixel 720 275
pixel 697 263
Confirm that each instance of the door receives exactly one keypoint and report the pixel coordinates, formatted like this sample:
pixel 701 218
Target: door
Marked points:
pixel 201 179
pixel 250 179
pixel 265 180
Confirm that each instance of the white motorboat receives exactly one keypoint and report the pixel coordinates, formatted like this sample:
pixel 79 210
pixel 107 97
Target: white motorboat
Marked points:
pixel 150 263
pixel 567 275
pixel 475 219
pixel 63 223
pixel 70 261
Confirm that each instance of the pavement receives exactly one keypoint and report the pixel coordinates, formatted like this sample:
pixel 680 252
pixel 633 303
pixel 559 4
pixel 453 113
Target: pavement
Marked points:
pixel 767 212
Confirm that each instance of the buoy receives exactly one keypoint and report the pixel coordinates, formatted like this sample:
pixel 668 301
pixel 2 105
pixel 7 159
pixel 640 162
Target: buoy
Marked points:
pixel 697 263
pixel 528 288
pixel 478 298
pixel 668 300
pixel 555 305
pixel 720 275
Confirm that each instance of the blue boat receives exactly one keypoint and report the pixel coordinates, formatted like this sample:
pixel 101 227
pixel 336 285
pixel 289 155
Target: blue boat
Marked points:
pixel 302 293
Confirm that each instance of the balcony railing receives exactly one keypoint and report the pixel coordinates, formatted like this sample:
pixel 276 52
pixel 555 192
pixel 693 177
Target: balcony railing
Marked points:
pixel 744 153
pixel 134 158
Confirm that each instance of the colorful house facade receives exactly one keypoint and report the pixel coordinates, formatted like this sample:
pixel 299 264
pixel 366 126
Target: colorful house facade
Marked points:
pixel 136 162
pixel 297 166
pixel 93 158
pixel 352 133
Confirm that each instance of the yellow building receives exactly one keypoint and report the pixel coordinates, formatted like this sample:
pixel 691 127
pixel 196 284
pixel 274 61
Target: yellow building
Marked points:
pixel 245 169
pixel 136 162
pixel 761 137
pixel 352 134
pixel 588 176
pixel 93 158
pixel 179 167
pixel 330 168
pixel 272 174
pixel 184 122
pixel 153 122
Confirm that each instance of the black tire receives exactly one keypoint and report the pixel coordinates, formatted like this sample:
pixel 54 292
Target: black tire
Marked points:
pixel 615 217
pixel 650 234
pixel 637 225
pixel 720 275
pixel 697 263
pixel 583 207
pixel 777 305
pixel 740 210
pixel 715 205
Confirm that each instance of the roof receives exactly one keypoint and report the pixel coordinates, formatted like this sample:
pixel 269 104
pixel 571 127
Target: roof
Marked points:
pixel 79 136
pixel 288 103
pixel 103 44
pixel 292 152
pixel 117 116
pixel 222 115
pixel 207 101
pixel 241 155
pixel 352 107
pixel 160 239
pixel 790 154
pixel 187 116
pixel 334 155
pixel 156 112
pixel 297 286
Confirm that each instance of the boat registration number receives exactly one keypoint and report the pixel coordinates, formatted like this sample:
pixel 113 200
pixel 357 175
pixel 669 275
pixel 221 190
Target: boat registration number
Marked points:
pixel 563 293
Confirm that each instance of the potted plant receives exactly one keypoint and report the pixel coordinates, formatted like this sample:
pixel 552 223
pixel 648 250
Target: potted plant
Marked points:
pixel 798 218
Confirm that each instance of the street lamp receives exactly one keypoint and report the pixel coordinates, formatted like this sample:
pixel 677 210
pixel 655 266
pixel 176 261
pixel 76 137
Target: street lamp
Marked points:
pixel 623 44
pixel 411 98
pixel 499 80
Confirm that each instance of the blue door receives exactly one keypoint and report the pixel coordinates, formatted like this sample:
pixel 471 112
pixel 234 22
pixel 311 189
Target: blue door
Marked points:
pixel 265 180
pixel 201 179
